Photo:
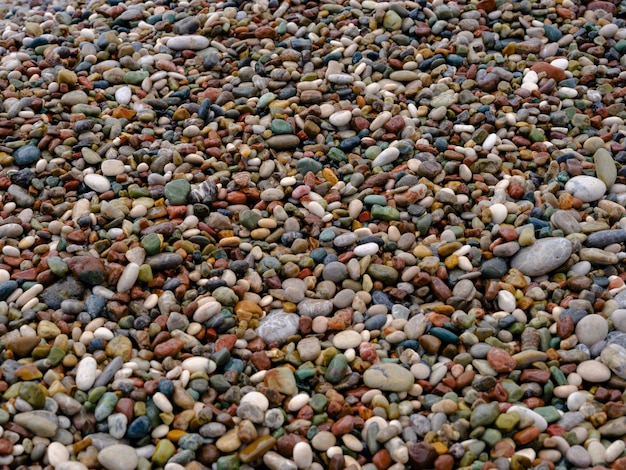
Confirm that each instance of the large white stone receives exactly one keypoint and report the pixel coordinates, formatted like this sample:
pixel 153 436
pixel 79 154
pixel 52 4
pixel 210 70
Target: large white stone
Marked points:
pixel 192 42
pixel 86 373
pixel 586 188
pixel 98 183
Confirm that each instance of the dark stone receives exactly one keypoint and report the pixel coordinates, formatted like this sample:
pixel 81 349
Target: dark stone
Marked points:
pixel 68 288
pixel 422 456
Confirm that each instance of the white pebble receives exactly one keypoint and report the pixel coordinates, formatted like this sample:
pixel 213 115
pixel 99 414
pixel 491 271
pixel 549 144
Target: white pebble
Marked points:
pixel 506 301
pixel 560 63
pixel 340 118
pixel 57 454
pixel 123 95
pixel 498 213
pixel 98 183
pixel 297 402
pixel 257 399
pixel 128 277
pixel 162 402
pixel 86 373
pixel 302 455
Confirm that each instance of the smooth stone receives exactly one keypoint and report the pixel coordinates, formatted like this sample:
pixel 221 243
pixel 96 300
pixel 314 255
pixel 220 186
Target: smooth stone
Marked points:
pixel 176 191
pixel 282 380
pixel 605 167
pixel 618 318
pixel 118 457
pixel 387 156
pixel 57 454
pixel 340 118
pixel 586 188
pixel 542 257
pixel 309 348
pixel 123 95
pixel 614 357
pixel 593 371
pixel 74 97
pixel 41 423
pixel 191 42
pixel 388 377
pixel 278 326
pixel 98 183
pixel 524 412
pixel 112 168
pixel 578 457
pixel 591 329
pixel 86 373
pixel 604 238
pixel 26 155
pixel 347 339
pixel 315 308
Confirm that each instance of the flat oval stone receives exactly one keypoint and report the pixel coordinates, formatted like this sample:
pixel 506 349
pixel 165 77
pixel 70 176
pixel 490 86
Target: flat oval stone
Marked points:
pixel 86 373
pixel 542 257
pixel 118 457
pixel 98 183
pixel 388 377
pixel 605 237
pixel 347 339
pixel 191 42
pixel 593 371
pixel 586 188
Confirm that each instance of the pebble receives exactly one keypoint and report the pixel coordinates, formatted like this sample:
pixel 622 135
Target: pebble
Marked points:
pixel 118 457
pixel 542 257
pixel 586 188
pixel 388 377
pixel 351 235
pixel 593 371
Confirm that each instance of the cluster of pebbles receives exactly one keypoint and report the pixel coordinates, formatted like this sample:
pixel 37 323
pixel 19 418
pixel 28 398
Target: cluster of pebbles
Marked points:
pixel 312 235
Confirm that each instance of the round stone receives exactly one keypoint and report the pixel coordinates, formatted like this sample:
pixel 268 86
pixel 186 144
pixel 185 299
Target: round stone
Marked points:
pixel 388 377
pixel 593 371
pixel 347 339
pixel 592 329
pixel 586 188
pixel 118 457
pixel 98 183
pixel 542 257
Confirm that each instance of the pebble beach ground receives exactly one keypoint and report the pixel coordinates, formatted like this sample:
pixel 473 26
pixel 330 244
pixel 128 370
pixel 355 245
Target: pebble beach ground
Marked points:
pixel 312 235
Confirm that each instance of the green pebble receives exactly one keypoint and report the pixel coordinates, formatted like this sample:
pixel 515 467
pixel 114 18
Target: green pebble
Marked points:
pixel 135 77
pixel 507 422
pixel 318 402
pixel 225 296
pixel 387 213
pixel 249 219
pixel 221 357
pixel 515 392
pixel 145 273
pixel 96 394
pixel 163 452
pixel 337 369
pixel 372 199
pixel 444 335
pixel 484 414
pixel 337 155
pixel 491 437
pixel 33 394
pixel 307 164
pixel 558 376
pixel 549 413
pixel 4 416
pixel 55 355
pixel 57 266
pixel 176 191
pixel 280 126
